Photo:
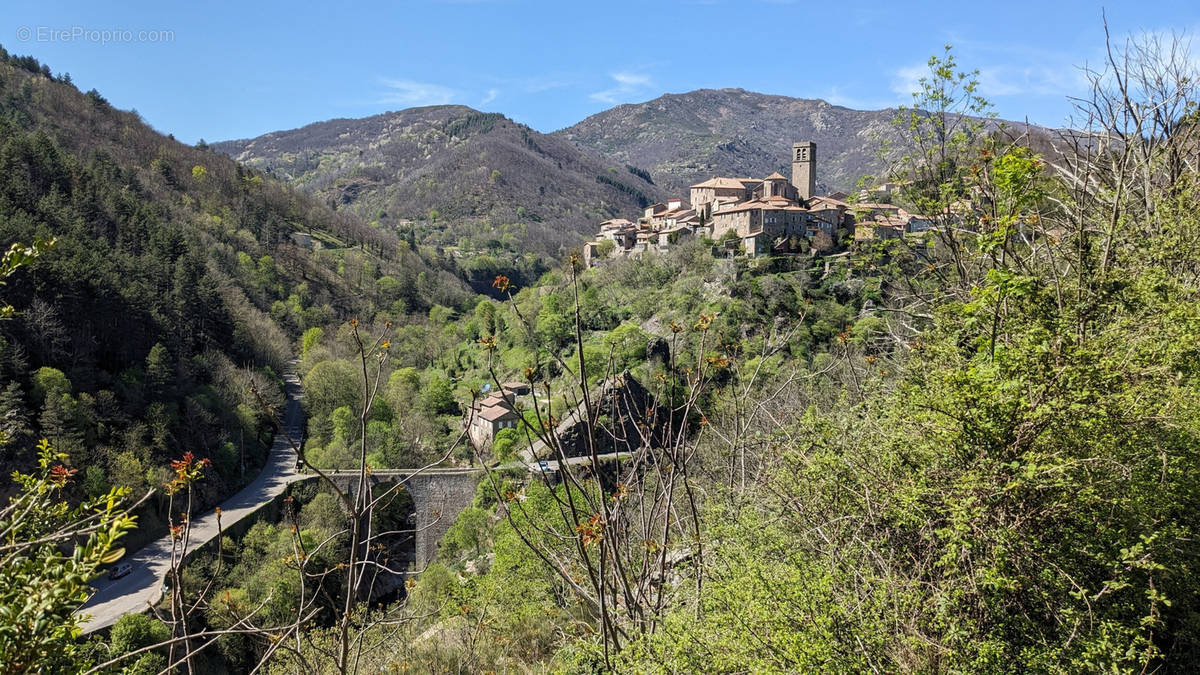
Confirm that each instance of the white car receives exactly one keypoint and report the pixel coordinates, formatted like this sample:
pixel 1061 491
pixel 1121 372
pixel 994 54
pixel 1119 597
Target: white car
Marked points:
pixel 120 571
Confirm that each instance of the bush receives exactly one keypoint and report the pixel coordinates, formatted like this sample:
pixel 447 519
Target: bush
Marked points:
pixel 134 631
pixel 505 445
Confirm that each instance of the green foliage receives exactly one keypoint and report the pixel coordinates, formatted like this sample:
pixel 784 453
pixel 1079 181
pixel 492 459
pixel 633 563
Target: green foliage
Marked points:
pixel 50 384
pixel 506 444
pixel 18 255
pixel 328 386
pixel 515 594
pixel 41 586
pixel 134 631
pixel 640 173
pixel 467 535
pixel 1031 495
pixel 169 265
pixel 472 124
pixel 553 327
pixel 438 397
pixel 640 197
pixel 628 343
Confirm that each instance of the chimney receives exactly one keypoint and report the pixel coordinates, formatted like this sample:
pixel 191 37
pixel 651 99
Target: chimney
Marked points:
pixel 804 168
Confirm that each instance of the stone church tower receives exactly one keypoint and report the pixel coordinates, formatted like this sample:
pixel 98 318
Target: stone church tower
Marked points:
pixel 804 168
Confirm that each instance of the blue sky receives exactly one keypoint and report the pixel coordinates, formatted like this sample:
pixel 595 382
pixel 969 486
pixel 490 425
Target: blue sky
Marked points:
pixel 221 70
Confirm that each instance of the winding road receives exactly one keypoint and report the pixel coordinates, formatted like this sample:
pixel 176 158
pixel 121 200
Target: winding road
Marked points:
pixel 143 586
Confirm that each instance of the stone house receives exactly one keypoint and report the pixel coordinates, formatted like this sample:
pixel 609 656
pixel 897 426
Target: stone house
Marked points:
pixel 768 215
pixel 761 223
pixel 489 416
pixel 708 196
pixel 889 223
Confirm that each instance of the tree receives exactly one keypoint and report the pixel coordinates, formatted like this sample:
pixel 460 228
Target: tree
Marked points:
pixel 942 133
pixel 467 534
pixel 438 396
pixel 553 327
pixel 310 340
pixel 50 384
pixel 504 445
pixel 329 385
pixel 159 372
pixel 17 256
pixel 134 632
pixel 41 586
pixel 485 314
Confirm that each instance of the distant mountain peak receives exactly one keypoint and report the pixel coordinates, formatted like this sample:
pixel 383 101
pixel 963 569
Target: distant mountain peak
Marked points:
pixel 681 138
pixel 458 173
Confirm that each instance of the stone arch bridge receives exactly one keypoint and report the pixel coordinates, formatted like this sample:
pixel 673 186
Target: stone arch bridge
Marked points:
pixel 438 496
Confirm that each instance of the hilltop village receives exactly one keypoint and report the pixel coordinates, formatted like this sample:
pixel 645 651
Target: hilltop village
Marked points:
pixel 762 216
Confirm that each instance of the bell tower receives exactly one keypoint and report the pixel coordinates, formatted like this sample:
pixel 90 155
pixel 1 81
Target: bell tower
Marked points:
pixel 804 168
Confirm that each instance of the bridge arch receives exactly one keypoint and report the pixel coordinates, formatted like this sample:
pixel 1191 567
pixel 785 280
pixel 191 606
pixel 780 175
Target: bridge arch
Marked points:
pixel 438 496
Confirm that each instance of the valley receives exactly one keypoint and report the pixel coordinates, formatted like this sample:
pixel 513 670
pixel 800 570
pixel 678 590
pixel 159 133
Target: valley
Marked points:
pixel 710 381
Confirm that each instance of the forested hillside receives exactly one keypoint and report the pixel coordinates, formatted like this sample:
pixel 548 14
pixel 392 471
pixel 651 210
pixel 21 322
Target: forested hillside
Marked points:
pixel 175 281
pixel 971 455
pixel 966 449
pixel 455 177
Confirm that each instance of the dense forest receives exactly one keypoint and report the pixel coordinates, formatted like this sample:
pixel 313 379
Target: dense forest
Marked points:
pixel 174 283
pixel 970 451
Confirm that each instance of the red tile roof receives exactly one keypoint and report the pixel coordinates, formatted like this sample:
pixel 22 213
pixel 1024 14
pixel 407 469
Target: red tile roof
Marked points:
pixel 496 413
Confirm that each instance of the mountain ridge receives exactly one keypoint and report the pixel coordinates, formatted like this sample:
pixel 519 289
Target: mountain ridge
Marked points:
pixel 495 183
pixel 178 279
pixel 503 196
pixel 689 137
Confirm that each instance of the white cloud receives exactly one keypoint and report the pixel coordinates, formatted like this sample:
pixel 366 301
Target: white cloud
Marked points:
pixel 907 79
pixel 1040 80
pixel 631 79
pixel 409 93
pixel 491 96
pixel 627 83
pixel 1047 79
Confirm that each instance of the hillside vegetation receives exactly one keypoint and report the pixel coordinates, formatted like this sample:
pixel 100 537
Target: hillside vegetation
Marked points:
pixel 969 451
pixel 987 468
pixel 173 284
pixel 683 139
pixel 454 177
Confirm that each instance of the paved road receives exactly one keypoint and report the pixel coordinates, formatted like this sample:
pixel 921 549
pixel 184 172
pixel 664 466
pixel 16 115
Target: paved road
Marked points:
pixel 531 452
pixel 553 465
pixel 144 585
